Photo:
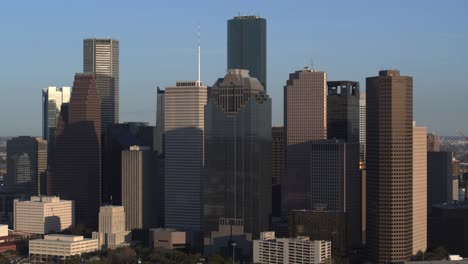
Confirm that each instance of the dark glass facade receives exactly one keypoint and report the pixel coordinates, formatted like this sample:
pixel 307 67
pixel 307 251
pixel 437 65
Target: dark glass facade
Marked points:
pixel 238 150
pixel 247 46
pixel 26 165
pixel 343 110
pixel 439 178
pixel 120 137
pixel 76 169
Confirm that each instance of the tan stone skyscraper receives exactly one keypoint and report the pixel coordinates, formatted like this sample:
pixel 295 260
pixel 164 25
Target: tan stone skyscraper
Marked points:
pixel 184 154
pixel 305 119
pixel 419 189
pixel 389 167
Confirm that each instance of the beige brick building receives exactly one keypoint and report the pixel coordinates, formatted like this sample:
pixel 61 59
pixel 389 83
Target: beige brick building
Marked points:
pixel 112 233
pixel 61 246
pixel 43 214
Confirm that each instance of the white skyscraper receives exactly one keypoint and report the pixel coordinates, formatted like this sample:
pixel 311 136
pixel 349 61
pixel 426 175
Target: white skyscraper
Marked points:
pixel 112 233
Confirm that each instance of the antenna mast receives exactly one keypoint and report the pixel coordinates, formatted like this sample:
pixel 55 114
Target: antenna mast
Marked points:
pixel 199 40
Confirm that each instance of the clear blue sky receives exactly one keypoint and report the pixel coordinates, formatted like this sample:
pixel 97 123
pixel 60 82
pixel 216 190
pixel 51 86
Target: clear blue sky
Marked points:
pixel 41 45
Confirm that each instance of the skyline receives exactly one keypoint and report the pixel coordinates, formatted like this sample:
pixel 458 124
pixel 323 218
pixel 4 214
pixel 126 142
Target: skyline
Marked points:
pixel 427 43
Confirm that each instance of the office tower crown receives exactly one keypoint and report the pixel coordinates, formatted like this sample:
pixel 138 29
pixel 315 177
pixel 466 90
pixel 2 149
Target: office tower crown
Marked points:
pixel 233 91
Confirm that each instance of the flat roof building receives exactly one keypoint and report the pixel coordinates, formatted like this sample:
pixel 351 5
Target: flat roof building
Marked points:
pixel 271 250
pixel 43 214
pixel 61 246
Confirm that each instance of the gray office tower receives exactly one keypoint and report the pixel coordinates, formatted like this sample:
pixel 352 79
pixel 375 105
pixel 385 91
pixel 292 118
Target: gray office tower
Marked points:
pixel 26 165
pixel 329 176
pixel 439 178
pixel 238 153
pixel 247 46
pixel 343 110
pixel 101 56
pixel 160 112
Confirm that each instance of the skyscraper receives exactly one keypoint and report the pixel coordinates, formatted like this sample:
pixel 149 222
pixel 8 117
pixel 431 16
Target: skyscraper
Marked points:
pixel 26 165
pixel 439 178
pixel 160 112
pixel 101 57
pixel 247 46
pixel 389 167
pixel 419 189
pixel 278 153
pixel 330 180
pixel 305 119
pixel 343 110
pixel 120 137
pixel 433 142
pixel 138 187
pixel 184 154
pixel 277 134
pixel 76 169
pixel 52 100
pixel 362 126
pixel 237 181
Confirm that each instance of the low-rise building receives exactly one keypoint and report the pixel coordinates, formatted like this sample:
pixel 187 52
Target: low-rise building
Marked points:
pixel 61 246
pixel 112 232
pixel 43 215
pixel 271 250
pixel 169 238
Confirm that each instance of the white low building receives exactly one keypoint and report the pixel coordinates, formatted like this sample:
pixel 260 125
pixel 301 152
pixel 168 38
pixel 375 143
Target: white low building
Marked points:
pixel 61 246
pixel 271 250
pixel 43 215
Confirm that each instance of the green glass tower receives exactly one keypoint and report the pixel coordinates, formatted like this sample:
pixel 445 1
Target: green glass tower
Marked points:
pixel 247 46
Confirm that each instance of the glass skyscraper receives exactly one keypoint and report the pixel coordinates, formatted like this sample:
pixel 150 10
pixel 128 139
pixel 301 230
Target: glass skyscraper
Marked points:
pixel 238 153
pixel 247 46
pixel 101 57
pixel 52 100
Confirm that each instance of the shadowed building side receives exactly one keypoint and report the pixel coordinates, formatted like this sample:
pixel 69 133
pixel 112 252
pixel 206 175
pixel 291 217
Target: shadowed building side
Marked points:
pixel 76 170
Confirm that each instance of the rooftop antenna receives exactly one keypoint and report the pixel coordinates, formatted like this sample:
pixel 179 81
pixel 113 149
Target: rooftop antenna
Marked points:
pixel 199 44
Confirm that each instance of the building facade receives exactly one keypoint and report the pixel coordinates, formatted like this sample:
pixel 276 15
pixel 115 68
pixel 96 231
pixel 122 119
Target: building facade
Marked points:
pixel 343 110
pixel 433 142
pixel 277 135
pixel 76 168
pixel 305 119
pixel 169 238
pixel 112 233
pixel 26 165
pixel 184 155
pixel 237 182
pixel 246 46
pixel 43 215
pixel 138 181
pixel 101 57
pixel 52 100
pixel 439 178
pixel 419 189
pixel 362 125
pixel 160 114
pixel 120 137
pixel 301 250
pixel 60 246
pixel 389 164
